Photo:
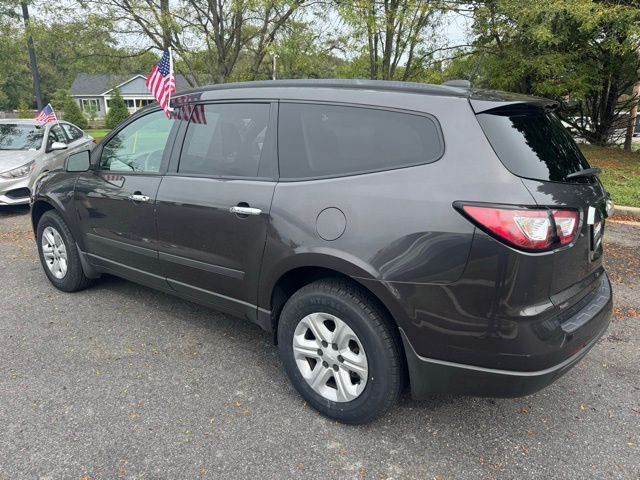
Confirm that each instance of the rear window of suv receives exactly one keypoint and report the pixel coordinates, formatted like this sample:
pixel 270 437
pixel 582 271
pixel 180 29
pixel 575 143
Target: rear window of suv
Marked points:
pixel 317 140
pixel 532 143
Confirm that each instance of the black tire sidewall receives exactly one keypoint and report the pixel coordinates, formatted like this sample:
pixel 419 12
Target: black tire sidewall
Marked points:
pixel 380 387
pixel 74 278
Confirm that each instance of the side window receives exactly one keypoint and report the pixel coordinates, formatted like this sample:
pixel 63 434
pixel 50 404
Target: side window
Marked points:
pixel 139 146
pixel 72 132
pixel 225 140
pixel 330 140
pixel 56 135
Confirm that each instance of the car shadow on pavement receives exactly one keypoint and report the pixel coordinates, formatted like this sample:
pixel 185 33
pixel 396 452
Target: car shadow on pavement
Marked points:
pixel 257 348
pixel 13 210
pixel 217 326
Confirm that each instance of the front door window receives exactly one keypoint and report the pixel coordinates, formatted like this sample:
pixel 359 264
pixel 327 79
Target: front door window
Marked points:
pixel 139 146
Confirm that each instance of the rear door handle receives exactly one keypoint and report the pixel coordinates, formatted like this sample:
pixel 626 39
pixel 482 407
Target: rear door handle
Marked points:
pixel 136 197
pixel 245 210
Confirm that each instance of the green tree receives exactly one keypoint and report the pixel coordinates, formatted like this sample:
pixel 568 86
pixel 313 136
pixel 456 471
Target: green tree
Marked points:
pixel 15 80
pixel 24 110
pixel 62 100
pixel 231 30
pixel 583 50
pixel 393 33
pixel 118 111
pixel 65 47
pixel 92 112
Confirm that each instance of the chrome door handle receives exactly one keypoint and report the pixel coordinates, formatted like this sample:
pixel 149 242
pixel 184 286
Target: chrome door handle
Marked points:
pixel 138 198
pixel 245 210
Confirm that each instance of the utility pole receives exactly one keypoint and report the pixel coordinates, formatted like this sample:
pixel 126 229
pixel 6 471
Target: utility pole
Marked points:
pixel 275 57
pixel 32 56
pixel 631 127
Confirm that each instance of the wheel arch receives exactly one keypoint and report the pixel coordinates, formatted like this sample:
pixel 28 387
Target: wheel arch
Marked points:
pixel 295 278
pixel 41 205
pixel 39 208
pixel 300 270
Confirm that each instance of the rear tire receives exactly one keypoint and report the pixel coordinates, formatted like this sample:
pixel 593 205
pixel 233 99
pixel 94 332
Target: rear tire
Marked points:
pixel 59 254
pixel 340 351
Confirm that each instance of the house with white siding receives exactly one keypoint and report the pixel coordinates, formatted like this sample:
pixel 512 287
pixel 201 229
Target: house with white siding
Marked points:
pixel 97 90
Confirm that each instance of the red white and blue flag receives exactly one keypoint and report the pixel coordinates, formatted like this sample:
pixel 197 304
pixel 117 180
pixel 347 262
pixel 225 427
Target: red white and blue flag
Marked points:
pixel 184 109
pixel 161 82
pixel 46 115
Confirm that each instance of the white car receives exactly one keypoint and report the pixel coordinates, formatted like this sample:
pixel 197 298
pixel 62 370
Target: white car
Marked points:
pixel 29 149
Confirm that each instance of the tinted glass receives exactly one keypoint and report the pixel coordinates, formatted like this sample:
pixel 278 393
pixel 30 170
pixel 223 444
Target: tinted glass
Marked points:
pixel 72 132
pixel 139 146
pixel 225 140
pixel 330 140
pixel 532 143
pixel 20 137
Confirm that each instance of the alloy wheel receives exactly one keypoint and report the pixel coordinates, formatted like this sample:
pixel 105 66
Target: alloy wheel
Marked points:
pixel 54 252
pixel 330 357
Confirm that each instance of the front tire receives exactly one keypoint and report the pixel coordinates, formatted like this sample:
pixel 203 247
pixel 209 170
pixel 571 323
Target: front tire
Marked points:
pixel 341 351
pixel 59 254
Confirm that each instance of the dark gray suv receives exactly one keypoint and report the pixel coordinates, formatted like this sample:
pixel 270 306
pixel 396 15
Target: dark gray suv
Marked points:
pixel 385 233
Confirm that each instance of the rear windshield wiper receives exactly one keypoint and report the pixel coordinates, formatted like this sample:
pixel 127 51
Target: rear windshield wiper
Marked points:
pixel 587 172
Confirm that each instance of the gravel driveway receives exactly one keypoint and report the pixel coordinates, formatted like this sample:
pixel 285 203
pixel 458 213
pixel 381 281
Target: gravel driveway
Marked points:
pixel 120 381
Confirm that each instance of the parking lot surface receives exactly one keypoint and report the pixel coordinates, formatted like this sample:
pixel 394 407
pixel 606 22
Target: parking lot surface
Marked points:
pixel 120 381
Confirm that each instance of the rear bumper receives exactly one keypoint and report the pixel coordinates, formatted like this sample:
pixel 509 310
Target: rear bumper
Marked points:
pixel 431 376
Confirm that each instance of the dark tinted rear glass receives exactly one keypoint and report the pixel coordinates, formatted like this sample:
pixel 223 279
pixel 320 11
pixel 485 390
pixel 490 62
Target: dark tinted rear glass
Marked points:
pixel 532 143
pixel 329 140
pixel 225 140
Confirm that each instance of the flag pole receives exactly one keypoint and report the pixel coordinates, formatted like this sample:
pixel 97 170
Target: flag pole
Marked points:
pixel 54 112
pixel 171 72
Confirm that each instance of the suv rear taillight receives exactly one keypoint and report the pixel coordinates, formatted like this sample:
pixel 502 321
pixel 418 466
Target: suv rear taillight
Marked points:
pixel 533 229
pixel 566 224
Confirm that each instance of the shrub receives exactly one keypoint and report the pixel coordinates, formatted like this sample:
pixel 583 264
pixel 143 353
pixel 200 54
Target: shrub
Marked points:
pixel 118 111
pixel 24 111
pixel 62 100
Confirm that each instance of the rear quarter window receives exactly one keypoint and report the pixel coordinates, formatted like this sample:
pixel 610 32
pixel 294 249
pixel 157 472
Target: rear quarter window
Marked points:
pixel 532 143
pixel 72 132
pixel 316 140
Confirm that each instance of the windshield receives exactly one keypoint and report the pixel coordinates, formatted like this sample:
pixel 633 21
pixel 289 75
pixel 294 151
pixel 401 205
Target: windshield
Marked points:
pixel 532 143
pixel 20 137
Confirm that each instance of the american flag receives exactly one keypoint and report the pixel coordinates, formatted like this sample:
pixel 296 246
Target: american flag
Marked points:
pixel 161 82
pixel 46 115
pixel 183 109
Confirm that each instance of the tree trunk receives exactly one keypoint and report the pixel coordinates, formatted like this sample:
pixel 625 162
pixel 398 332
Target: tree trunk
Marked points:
pixel 32 57
pixel 166 19
pixel 631 127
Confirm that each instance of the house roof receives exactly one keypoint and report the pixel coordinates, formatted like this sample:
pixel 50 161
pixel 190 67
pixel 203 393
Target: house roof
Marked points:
pixel 95 85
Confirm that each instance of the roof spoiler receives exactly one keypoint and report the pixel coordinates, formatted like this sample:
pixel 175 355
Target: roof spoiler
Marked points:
pixel 483 102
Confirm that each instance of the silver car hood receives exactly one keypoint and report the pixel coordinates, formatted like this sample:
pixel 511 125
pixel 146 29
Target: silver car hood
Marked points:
pixel 10 159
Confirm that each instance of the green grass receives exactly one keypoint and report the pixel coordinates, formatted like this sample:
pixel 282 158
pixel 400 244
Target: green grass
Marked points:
pixel 620 172
pixel 98 133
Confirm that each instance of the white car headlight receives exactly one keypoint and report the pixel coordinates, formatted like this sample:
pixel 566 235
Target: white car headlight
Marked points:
pixel 19 172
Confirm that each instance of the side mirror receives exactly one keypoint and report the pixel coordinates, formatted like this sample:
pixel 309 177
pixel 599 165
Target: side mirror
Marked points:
pixel 57 146
pixel 78 162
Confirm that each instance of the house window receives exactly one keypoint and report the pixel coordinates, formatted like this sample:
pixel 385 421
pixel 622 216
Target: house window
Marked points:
pixel 133 103
pixel 90 104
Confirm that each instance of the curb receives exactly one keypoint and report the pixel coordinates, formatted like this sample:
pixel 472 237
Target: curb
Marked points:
pixel 627 211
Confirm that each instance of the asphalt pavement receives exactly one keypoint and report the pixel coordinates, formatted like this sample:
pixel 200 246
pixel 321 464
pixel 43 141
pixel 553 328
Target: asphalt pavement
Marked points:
pixel 120 381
